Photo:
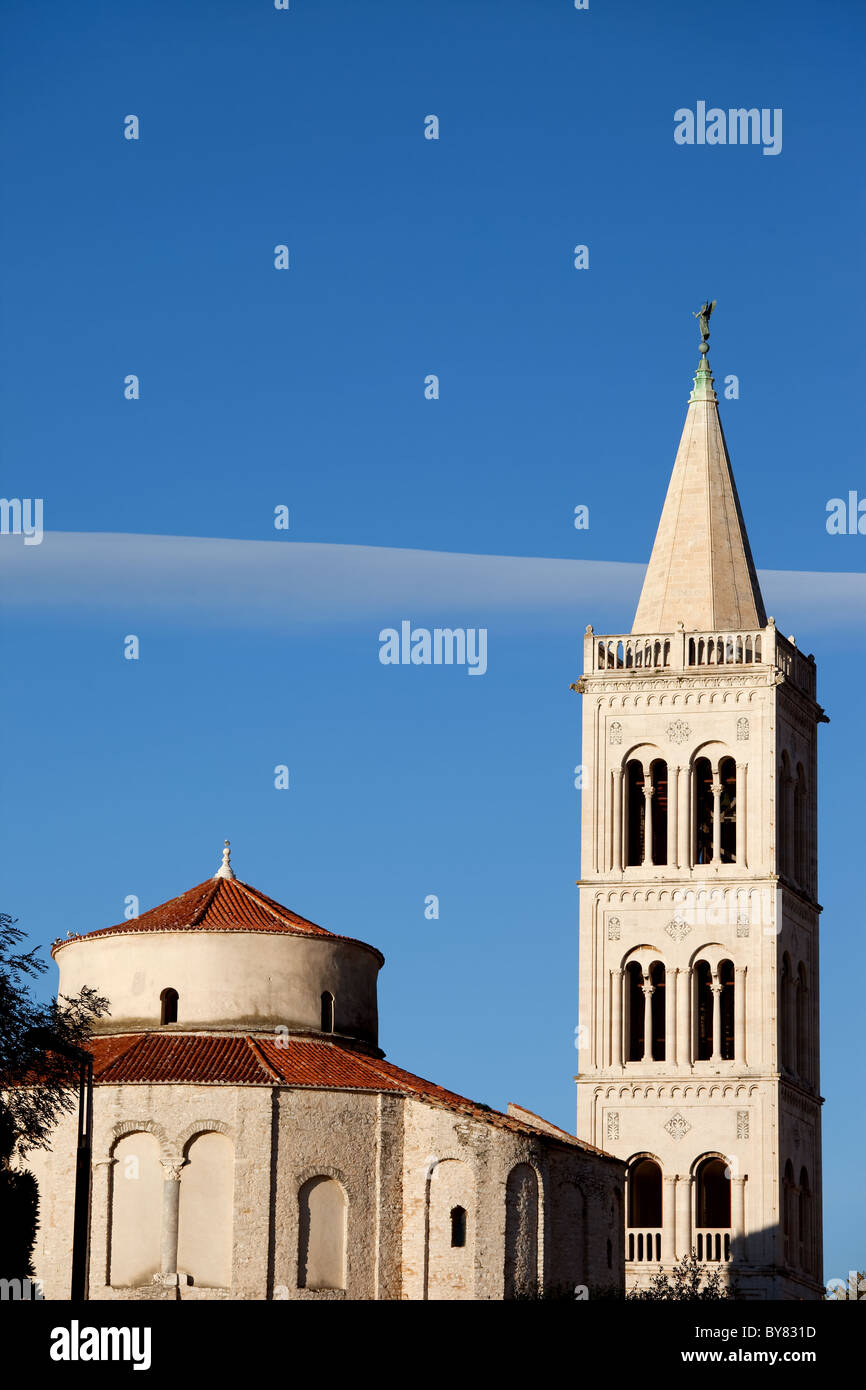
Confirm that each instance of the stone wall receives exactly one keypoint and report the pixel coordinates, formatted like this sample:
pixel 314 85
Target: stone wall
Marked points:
pixel 403 1167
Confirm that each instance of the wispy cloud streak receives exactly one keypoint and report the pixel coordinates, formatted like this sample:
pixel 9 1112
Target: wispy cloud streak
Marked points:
pixel 240 583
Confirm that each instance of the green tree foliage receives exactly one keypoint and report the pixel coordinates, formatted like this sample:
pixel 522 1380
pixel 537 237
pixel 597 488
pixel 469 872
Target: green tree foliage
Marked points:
pixel 36 1086
pixel 688 1281
pixel 19 1205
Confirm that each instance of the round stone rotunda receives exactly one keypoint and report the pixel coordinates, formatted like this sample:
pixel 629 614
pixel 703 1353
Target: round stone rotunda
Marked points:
pixel 250 1141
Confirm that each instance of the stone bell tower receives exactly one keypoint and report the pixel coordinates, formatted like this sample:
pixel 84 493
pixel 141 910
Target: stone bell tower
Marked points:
pixel 698 900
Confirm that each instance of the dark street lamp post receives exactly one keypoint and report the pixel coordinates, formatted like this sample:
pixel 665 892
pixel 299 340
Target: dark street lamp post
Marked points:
pixel 43 1037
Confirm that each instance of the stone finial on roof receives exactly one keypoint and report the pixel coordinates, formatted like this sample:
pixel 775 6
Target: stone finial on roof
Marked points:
pixel 225 869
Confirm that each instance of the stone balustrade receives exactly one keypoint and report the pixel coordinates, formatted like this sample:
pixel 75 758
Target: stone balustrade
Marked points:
pixel 683 651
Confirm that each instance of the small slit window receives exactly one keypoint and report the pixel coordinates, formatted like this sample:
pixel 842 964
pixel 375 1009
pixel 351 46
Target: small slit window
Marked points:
pixel 458 1226
pixel 168 1006
pixel 327 1012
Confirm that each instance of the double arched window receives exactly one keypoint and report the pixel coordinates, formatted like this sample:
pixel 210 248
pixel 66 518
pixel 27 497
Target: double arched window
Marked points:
pixel 798 1221
pixel 655 1026
pixel 654 806
pixel 176 1215
pixel 706 1226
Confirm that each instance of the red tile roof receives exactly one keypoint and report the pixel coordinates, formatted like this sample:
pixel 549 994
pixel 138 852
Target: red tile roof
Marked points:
pixel 219 904
pixel 171 1057
pixel 247 1060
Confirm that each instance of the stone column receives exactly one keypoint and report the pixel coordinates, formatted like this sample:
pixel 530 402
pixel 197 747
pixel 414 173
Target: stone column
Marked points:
pixel 616 1018
pixel 617 818
pixel 738 1218
pixel 648 992
pixel 740 1013
pixel 170 1211
pixel 684 1216
pixel 741 812
pixel 671 986
pixel 647 822
pixel 684 1048
pixel 100 1223
pixel 717 822
pixel 669 1221
pixel 684 819
pixel 673 814
pixel 716 987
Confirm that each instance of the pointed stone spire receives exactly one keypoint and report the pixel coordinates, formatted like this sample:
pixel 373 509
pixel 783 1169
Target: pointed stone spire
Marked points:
pixel 225 869
pixel 701 572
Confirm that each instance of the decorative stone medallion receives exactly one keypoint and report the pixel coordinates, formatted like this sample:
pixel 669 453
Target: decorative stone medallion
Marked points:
pixel 615 732
pixel 742 1124
pixel 678 731
pixel 677 1126
pixel 677 929
pixel 612 1124
pixel 613 929
pixel 743 730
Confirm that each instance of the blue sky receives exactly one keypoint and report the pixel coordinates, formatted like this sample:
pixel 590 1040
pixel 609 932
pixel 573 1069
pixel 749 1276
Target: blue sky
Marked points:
pixel 306 388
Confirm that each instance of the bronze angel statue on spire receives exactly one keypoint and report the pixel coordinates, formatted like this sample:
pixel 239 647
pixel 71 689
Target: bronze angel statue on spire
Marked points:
pixel 703 318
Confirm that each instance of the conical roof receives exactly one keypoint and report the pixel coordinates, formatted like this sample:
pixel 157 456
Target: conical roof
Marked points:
pixel 219 904
pixel 701 572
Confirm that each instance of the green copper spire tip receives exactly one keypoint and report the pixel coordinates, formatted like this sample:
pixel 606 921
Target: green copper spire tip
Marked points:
pixel 703 387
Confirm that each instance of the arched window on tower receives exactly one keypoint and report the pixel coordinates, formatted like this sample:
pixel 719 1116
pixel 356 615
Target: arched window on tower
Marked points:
pixel 634 998
pixel 788 1213
pixel 802 1012
pixel 327 1011
pixel 704 1010
pixel 714 1194
pixel 644 1211
pixel 703 783
pixel 783 818
pixel 726 1009
pixel 800 866
pixel 728 811
pixel 713 1210
pixel 168 1006
pixel 659 807
pixel 657 1008
pixel 783 1009
pixel 635 812
pixel 645 1194
pixel 805 1220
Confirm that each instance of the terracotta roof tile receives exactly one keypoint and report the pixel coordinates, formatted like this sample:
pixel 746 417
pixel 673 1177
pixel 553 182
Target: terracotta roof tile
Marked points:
pixel 246 1060
pixel 218 904
pixel 303 1063
pixel 173 1057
